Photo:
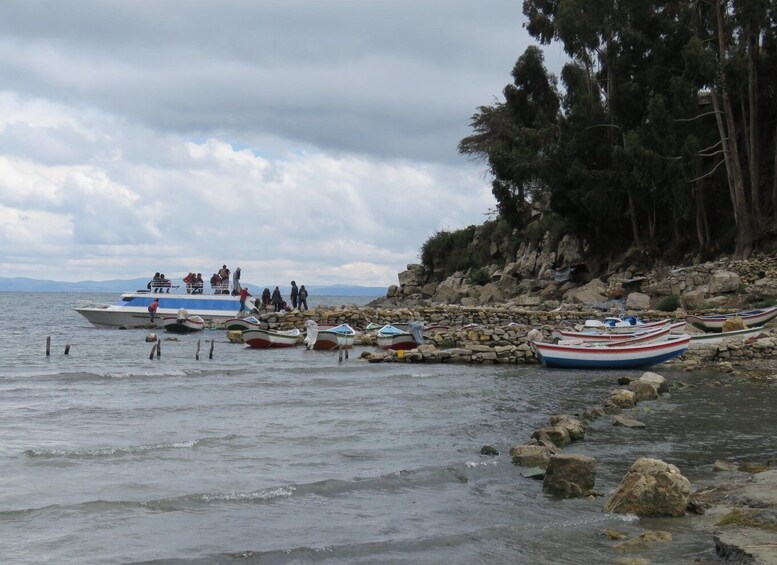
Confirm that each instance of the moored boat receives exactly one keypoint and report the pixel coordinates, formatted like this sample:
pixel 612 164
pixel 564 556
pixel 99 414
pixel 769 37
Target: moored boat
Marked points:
pixel 241 324
pixel 329 338
pixel 131 309
pixel 182 324
pixel 397 338
pixel 264 339
pixel 602 356
pixel 712 339
pixel 607 336
pixel 622 325
pixel 751 318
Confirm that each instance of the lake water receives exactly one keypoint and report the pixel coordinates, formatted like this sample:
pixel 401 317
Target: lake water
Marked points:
pixel 290 456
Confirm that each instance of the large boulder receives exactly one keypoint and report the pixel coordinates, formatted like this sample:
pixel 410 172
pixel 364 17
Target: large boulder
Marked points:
pixel 660 382
pixel 413 276
pixel 569 475
pixel 490 293
pixel 693 299
pixel 574 427
pixel 724 281
pixel 532 455
pixel 637 301
pixel 651 488
pixel 644 390
pixel 569 251
pixel 624 398
pixel 592 293
pixel 557 435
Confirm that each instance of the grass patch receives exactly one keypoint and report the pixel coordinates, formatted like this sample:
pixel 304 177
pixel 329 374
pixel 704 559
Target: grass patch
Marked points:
pixel 668 303
pixel 766 303
pixel 744 518
pixel 754 467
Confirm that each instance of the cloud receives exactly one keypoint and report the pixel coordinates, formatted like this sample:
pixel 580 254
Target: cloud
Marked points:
pixel 302 139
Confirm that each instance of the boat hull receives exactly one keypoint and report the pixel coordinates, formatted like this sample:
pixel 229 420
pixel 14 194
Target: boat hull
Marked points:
pixel 751 318
pixel 131 309
pixel 265 339
pixel 330 341
pixel 604 357
pixel 183 325
pixel 396 342
pixel 713 339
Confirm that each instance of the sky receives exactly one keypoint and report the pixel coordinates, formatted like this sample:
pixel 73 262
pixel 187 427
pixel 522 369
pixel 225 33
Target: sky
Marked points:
pixel 297 139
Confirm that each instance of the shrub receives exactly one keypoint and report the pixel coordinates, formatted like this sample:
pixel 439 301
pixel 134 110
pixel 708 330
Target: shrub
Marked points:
pixel 668 303
pixel 479 276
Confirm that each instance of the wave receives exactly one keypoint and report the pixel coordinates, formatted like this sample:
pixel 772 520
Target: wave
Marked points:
pixel 122 451
pixel 402 480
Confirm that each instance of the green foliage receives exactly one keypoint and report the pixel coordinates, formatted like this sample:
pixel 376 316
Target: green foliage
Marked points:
pixel 446 252
pixel 479 276
pixel 766 303
pixel 668 303
pixel 628 151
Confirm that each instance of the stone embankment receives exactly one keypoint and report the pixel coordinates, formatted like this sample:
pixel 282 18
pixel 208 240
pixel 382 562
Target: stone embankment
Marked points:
pixel 498 334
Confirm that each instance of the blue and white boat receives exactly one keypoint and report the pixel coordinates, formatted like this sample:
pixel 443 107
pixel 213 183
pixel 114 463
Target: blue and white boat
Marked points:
pixel 610 356
pixel 131 310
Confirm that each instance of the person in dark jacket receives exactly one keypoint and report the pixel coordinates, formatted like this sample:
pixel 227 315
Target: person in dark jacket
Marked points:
pixel 302 298
pixel 277 299
pixel 293 295
pixel 266 298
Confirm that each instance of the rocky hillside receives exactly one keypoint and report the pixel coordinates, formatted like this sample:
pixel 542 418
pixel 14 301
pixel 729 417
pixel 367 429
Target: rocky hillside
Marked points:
pixel 548 276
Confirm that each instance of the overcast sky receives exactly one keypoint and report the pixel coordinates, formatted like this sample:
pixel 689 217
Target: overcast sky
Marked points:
pixel 298 139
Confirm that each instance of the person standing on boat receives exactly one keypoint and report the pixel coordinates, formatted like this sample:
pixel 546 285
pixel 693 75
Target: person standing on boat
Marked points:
pixel 276 299
pixel 152 309
pixel 244 294
pixel 294 294
pixel 303 298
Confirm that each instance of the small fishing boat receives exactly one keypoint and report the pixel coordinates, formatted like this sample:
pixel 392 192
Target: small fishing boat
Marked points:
pixel 751 318
pixel 599 335
pixel 602 356
pixel 396 338
pixel 264 339
pixel 329 338
pixel 622 325
pixel 711 339
pixel 617 340
pixel 240 324
pixel 183 324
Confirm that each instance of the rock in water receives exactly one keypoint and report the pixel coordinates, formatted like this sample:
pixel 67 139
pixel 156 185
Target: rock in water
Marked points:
pixel 651 488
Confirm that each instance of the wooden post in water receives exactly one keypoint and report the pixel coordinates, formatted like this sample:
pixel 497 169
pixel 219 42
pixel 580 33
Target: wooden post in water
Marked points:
pixel 340 354
pixel 197 355
pixel 67 349
pixel 48 346
pixel 153 350
pixel 158 348
pixel 210 355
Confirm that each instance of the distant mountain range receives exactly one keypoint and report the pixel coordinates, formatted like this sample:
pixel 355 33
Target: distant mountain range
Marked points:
pixel 20 284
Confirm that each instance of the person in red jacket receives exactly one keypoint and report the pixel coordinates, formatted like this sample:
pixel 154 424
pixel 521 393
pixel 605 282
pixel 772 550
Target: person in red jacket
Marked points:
pixel 152 308
pixel 244 294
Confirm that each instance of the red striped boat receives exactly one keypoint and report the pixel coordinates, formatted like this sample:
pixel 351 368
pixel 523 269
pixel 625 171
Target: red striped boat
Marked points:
pixel 602 356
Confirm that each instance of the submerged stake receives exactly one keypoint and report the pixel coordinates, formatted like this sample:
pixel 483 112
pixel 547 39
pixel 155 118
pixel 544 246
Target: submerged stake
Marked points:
pixel 197 355
pixel 153 349
pixel 48 346
pixel 158 348
pixel 210 355
pixel 67 349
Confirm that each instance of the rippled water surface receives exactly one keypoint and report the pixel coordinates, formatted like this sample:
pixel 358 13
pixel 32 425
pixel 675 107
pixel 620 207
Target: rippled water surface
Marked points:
pixel 261 456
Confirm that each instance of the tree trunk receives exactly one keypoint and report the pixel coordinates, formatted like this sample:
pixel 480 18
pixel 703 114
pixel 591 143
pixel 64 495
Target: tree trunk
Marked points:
pixel 774 179
pixel 634 223
pixel 752 78
pixel 727 131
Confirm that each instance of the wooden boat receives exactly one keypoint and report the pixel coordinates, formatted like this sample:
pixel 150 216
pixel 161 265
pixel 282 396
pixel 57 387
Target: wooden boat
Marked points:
pixel 622 325
pixel 247 323
pixel 183 324
pixel 699 341
pixel 604 335
pixel 391 337
pixel 329 338
pixel 751 318
pixel 264 339
pixel 599 356
pixel 617 340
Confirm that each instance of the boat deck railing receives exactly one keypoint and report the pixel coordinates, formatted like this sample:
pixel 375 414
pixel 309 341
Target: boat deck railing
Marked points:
pixel 220 288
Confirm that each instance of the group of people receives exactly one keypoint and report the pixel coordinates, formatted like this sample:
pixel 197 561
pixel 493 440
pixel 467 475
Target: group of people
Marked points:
pixel 219 282
pixel 298 296
pixel 159 283
pixel 194 283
